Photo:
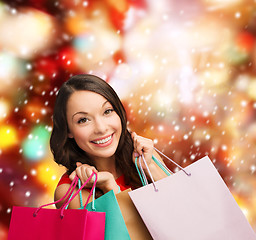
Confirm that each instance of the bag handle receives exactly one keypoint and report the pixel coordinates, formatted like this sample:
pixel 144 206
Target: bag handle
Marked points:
pixel 143 175
pixel 141 169
pixel 91 192
pixel 93 197
pixel 68 193
pixel 167 171
pixel 180 167
pixel 81 198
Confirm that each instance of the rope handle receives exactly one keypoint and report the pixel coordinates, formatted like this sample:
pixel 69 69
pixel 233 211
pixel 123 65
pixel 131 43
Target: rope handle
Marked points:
pixel 176 164
pixel 81 198
pixel 141 169
pixel 143 177
pixel 142 172
pixel 77 192
pixel 167 171
pixel 93 197
pixel 68 193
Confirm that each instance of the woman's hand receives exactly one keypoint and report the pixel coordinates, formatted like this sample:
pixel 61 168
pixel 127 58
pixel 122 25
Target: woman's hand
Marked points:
pixel 146 146
pixel 83 171
pixel 143 145
pixel 105 180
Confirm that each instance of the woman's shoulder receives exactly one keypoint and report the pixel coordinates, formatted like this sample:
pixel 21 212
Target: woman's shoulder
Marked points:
pixel 64 179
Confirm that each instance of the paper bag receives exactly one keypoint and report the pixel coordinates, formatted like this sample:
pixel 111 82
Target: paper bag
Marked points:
pixel 195 207
pixel 132 219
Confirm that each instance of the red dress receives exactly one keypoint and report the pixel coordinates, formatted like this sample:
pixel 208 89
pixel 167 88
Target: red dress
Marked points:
pixel 120 181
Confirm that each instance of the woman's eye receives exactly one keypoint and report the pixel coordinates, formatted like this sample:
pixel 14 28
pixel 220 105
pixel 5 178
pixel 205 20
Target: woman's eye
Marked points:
pixel 82 120
pixel 108 111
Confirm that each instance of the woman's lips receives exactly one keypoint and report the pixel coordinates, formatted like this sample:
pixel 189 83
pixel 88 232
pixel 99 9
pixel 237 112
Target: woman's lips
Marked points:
pixel 103 142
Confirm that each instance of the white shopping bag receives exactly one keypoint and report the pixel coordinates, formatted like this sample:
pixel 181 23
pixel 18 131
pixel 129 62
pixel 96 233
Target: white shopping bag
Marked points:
pixel 195 207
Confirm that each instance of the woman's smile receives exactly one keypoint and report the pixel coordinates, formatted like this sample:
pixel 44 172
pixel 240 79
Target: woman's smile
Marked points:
pixel 103 142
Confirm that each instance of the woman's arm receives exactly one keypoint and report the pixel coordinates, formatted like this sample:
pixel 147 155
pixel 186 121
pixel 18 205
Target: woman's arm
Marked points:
pixel 61 190
pixel 105 180
pixel 156 171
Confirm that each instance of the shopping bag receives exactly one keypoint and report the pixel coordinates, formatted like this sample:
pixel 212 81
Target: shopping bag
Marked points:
pixel 115 226
pixel 29 223
pixel 193 204
pixel 136 227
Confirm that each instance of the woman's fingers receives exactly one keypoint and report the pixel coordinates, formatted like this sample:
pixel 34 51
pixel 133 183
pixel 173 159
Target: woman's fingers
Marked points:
pixel 78 164
pixel 141 144
pixel 72 175
pixel 83 171
pixel 88 172
pixel 135 143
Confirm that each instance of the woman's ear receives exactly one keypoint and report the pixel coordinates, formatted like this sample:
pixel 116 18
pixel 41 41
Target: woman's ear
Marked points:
pixel 70 135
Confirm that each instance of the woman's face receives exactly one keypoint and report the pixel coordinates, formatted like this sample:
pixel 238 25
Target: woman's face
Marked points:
pixel 93 123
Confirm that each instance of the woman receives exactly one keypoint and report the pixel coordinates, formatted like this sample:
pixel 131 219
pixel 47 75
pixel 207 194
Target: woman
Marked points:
pixel 90 134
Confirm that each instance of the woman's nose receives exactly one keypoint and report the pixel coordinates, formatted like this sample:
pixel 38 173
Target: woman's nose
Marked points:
pixel 100 126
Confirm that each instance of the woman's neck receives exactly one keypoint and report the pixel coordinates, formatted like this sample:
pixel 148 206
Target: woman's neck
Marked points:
pixel 107 164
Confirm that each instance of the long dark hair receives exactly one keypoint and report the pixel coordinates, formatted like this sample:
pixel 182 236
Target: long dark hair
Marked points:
pixel 65 150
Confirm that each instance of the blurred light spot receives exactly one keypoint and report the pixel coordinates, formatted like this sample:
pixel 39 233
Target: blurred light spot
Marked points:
pixel 27 42
pixel 8 136
pixel 224 147
pixel 4 109
pixel 27 194
pixel 237 15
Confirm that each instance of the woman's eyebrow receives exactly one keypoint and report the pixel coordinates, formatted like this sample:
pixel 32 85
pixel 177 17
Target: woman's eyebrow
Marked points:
pixel 87 112
pixel 78 113
pixel 105 103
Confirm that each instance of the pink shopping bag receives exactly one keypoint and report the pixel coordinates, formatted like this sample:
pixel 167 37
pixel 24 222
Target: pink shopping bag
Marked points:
pixel 29 223
pixel 192 204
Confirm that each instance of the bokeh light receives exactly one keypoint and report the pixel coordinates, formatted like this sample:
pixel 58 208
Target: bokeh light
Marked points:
pixel 35 146
pixel 23 25
pixel 185 71
pixel 8 136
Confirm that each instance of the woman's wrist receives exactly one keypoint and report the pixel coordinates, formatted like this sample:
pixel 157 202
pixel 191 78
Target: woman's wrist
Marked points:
pixel 152 169
pixel 155 171
pixel 109 185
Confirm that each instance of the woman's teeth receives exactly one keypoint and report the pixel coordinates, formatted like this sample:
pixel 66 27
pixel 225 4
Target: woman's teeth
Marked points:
pixel 103 140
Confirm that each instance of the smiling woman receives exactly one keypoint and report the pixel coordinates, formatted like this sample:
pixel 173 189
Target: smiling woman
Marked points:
pixel 90 134
pixel 94 124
